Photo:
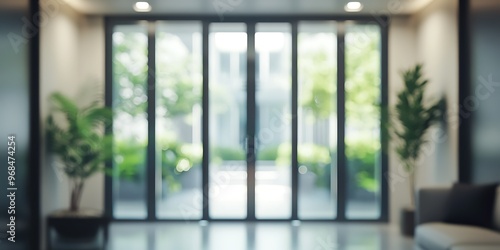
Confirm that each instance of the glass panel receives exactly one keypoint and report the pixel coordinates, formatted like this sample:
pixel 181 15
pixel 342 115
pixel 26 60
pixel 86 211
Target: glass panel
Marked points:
pixel 483 103
pixel 227 120
pixel 15 89
pixel 273 121
pixel 178 119
pixel 317 120
pixel 362 126
pixel 129 120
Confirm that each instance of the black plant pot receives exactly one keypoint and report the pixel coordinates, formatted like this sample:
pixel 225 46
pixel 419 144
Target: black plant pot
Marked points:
pixel 76 225
pixel 407 222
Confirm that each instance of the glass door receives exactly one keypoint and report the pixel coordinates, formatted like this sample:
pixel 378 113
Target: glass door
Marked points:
pixel 247 120
pixel 317 120
pixel 273 99
pixel 250 121
pixel 179 148
pixel 228 121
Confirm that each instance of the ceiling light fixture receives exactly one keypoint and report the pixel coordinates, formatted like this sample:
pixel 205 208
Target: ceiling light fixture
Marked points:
pixel 353 7
pixel 142 7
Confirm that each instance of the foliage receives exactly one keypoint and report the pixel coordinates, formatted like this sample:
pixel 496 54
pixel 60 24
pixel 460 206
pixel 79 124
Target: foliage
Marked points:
pixel 362 84
pixel 319 84
pixel 269 153
pixel 178 158
pixel 130 72
pixel 362 107
pixel 179 79
pixel 362 158
pixel 178 89
pixel 178 84
pixel 413 116
pixel 220 154
pixel 316 158
pixel 79 140
pixel 130 158
pixel 413 119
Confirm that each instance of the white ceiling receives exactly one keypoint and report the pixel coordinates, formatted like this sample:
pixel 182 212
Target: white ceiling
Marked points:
pixel 249 7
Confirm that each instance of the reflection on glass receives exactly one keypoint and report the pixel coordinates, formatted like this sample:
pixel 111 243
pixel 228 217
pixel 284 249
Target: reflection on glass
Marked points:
pixel 317 120
pixel 273 126
pixel 227 120
pixel 178 119
pixel 15 88
pixel 362 126
pixel 129 121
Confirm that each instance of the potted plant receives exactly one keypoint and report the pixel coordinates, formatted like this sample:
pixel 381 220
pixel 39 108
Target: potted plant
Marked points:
pixel 413 116
pixel 76 136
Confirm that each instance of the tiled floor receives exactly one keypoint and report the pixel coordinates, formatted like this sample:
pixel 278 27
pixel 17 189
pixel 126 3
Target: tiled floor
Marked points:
pixel 255 236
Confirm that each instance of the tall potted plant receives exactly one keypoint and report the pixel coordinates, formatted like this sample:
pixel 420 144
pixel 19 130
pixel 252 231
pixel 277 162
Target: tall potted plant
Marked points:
pixel 413 116
pixel 76 136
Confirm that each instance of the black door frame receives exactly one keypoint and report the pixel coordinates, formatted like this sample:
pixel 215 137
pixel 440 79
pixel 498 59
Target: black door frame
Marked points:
pixel 250 21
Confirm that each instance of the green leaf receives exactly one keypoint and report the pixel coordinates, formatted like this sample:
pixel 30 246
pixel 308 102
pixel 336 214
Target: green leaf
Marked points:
pixel 413 116
pixel 79 139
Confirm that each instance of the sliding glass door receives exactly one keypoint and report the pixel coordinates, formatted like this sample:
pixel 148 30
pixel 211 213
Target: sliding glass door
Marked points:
pixel 317 120
pixel 179 148
pixel 228 120
pixel 362 121
pixel 273 99
pixel 130 125
pixel 247 120
pixel 245 143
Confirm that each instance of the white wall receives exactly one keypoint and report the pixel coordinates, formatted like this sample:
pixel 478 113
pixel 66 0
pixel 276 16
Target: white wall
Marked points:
pixel 402 55
pixel 58 68
pixel 429 37
pixel 437 44
pixel 71 62
pixel 92 76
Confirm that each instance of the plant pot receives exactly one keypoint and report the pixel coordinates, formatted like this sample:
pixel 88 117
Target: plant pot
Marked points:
pixel 407 221
pixel 76 225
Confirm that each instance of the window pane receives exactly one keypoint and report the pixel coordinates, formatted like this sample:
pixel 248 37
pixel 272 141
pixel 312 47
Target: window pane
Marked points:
pixel 362 138
pixel 317 120
pixel 129 120
pixel 273 121
pixel 227 120
pixel 178 119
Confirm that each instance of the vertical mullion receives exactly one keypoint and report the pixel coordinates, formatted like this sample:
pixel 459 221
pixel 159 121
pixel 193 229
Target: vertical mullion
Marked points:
pixel 295 177
pixel 151 148
pixel 108 102
pixel 341 161
pixel 34 176
pixel 465 173
pixel 251 158
pixel 205 117
pixel 384 202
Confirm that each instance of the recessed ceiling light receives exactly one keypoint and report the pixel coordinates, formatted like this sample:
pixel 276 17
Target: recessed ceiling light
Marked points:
pixel 142 7
pixel 353 7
